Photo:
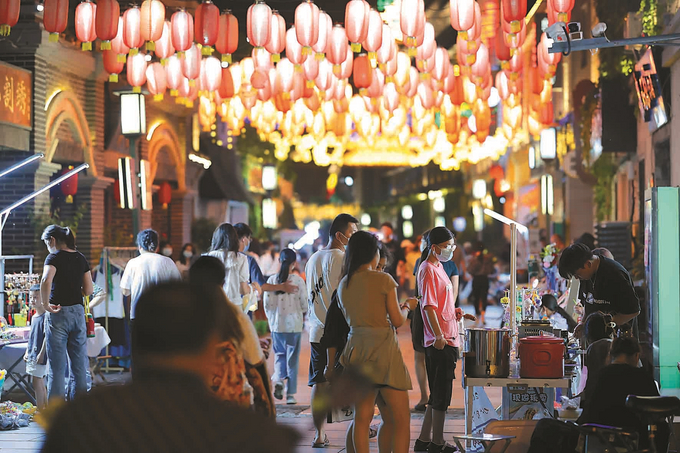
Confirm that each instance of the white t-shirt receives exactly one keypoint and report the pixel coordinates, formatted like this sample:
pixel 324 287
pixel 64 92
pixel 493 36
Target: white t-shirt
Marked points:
pixel 236 268
pixel 144 271
pixel 323 272
pixel 285 312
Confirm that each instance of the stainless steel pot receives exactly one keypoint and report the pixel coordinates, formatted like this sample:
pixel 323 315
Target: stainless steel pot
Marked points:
pixel 488 353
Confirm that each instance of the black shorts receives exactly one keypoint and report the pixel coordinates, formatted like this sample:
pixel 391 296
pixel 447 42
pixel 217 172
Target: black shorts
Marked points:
pixel 317 364
pixel 441 368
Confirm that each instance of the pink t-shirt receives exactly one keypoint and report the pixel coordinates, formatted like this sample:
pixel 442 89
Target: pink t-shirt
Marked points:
pixel 437 291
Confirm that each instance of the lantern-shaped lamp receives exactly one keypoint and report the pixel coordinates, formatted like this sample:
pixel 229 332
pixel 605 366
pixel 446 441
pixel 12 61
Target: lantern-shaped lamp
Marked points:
pixel 362 73
pixel 106 23
pixel 156 80
pixel 152 18
pixel 307 25
pixel 86 32
pixel 9 15
pixel 514 11
pixel 165 194
pixel 269 177
pixel 277 37
pixel 55 17
pixel 462 15
pixel 69 187
pixel 191 64
pixel 207 25
pixel 227 36
pixel 325 28
pixel 164 48
pixel 132 114
pixel 117 44
pixel 132 29
pixel 374 36
pixel 112 65
pixel 136 71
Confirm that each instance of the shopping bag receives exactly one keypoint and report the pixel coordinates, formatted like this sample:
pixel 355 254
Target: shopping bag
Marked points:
pixel 340 414
pixel 249 300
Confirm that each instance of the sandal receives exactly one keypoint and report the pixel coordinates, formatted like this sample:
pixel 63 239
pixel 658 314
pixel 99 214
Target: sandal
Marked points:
pixel 322 444
pixel 372 432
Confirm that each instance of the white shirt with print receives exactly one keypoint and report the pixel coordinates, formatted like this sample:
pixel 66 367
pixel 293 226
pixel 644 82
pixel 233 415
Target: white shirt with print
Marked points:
pixel 323 273
pixel 144 271
pixel 285 312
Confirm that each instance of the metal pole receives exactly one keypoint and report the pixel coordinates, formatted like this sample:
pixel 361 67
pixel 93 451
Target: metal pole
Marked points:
pixel 603 43
pixel 135 211
pixel 18 165
pixel 513 289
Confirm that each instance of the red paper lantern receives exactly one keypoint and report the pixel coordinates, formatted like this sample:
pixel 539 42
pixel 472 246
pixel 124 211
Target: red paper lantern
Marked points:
pixel 462 14
pixel 546 113
pixel 9 15
pixel 307 25
pixel 132 29
pixel 106 22
pixel 211 73
pixel 258 23
pixel 481 65
pixel 337 51
pixel 356 22
pixel 86 32
pixel 284 75
pixel 136 71
pixel 513 12
pixel 375 89
pixel 165 194
pixel 502 50
pixel 347 65
pixel 152 19
pixel 411 17
pixel 226 88
pixel 562 8
pixel 442 64
pixel 294 48
pixel 156 80
pixel 207 24
pixel 311 69
pixel 182 30
pixel 112 64
pixel 261 59
pixel 173 74
pixel 325 29
pixel 277 36
pixel 227 36
pixel 363 72
pixel 164 48
pixel 69 187
pixel 191 64
pixel 324 76
pixel 374 37
pixel 55 17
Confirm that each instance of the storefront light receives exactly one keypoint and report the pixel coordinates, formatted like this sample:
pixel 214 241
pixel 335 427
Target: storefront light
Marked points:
pixel 269 213
pixel 459 224
pixel 349 181
pixel 532 157
pixel 126 183
pixel 548 143
pixel 407 229
pixel 479 189
pixel 145 190
pixel 132 114
pixel 200 160
pixel 269 177
pixel 478 214
pixel 439 221
pixel 494 97
pixel 547 195
pixel 439 204
pixel 407 212
pixel 365 219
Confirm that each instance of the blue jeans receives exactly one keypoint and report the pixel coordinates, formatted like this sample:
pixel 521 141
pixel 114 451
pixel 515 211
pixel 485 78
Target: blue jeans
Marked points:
pixel 66 334
pixel 287 356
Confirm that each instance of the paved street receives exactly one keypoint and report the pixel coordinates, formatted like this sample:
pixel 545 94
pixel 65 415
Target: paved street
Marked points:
pixel 299 417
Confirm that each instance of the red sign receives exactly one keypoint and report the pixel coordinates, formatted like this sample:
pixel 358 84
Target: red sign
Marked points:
pixel 16 96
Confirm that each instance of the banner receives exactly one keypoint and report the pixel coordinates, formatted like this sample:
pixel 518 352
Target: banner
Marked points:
pixel 16 96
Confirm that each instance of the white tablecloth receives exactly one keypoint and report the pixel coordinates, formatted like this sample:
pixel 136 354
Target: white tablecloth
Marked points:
pixel 100 341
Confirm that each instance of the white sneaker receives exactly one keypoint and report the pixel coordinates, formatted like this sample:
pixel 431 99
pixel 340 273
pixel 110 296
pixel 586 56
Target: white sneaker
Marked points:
pixel 290 399
pixel 278 390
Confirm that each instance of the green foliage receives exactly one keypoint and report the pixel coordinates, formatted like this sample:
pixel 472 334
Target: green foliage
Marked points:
pixel 201 233
pixel 261 327
pixel 604 169
pixel 649 12
pixel 614 61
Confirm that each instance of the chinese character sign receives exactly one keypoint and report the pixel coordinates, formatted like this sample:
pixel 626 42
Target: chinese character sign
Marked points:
pixel 16 96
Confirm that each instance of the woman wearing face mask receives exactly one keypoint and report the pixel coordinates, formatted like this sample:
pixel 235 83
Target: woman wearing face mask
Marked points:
pixel 186 259
pixel 166 249
pixel 441 339
pixel 66 279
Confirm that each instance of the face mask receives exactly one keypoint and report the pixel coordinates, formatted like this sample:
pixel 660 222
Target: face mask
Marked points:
pixel 445 254
pixel 247 247
pixel 167 251
pixel 188 254
pixel 346 239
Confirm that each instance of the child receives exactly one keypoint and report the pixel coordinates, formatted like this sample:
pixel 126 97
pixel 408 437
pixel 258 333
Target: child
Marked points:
pixel 36 352
pixel 285 313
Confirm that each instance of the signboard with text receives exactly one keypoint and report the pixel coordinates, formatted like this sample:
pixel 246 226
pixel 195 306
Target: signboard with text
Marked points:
pixel 649 91
pixel 16 96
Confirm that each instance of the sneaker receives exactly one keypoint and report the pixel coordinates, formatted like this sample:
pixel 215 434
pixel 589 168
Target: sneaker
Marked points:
pixel 290 399
pixel 421 445
pixel 278 390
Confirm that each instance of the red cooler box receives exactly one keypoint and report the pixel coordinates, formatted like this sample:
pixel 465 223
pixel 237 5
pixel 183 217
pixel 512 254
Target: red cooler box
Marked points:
pixel 541 357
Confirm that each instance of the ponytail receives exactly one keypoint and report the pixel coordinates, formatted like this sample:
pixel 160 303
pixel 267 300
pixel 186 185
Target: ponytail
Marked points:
pixel 287 257
pixel 62 235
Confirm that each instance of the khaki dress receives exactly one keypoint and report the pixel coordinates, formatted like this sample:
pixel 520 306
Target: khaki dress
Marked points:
pixel 372 346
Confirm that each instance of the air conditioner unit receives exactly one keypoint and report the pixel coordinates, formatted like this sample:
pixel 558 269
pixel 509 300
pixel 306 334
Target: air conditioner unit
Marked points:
pixel 616 237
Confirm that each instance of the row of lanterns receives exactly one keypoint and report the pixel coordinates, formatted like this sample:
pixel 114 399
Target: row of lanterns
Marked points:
pixel 309 89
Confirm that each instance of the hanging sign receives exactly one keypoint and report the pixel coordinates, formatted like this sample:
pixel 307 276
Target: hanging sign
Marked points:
pixel 16 96
pixel 649 91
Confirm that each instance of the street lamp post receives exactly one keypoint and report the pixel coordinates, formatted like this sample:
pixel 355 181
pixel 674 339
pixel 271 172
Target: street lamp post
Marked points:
pixel 133 126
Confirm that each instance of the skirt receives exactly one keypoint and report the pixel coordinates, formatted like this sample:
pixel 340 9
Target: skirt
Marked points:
pixel 374 352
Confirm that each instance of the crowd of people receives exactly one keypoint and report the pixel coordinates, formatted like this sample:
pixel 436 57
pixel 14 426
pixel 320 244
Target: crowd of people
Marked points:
pixel 352 295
